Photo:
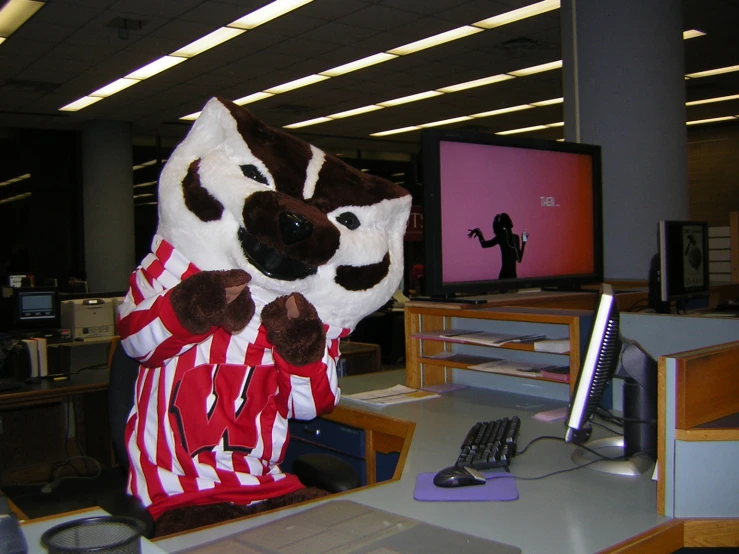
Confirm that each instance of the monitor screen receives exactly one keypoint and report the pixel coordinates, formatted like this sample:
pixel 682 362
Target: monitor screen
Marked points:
pixel 683 260
pixel 505 213
pixel 34 308
pixel 609 354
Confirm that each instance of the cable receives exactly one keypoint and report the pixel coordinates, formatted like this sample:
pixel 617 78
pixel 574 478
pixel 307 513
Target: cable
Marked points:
pixel 49 487
pixel 608 428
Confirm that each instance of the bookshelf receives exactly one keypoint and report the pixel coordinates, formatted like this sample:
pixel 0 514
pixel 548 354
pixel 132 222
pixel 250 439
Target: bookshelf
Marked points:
pixel 430 356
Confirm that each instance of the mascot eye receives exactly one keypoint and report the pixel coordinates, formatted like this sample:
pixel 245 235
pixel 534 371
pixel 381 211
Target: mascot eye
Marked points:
pixel 252 172
pixel 348 220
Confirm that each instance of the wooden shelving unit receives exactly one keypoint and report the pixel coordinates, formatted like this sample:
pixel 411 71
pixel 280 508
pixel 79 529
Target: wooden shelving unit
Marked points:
pixel 429 359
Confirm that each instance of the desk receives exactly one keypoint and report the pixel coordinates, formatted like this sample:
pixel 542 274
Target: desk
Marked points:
pixel 35 424
pixel 578 512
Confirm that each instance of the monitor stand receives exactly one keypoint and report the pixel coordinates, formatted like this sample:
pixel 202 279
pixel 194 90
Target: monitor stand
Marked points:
pixel 612 447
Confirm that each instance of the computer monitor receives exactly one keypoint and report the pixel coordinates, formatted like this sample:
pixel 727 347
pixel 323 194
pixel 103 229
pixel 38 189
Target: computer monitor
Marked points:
pixel 34 308
pixel 683 262
pixel 609 354
pixel 504 213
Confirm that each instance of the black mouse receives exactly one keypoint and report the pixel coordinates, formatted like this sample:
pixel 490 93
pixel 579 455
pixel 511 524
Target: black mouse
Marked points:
pixel 454 476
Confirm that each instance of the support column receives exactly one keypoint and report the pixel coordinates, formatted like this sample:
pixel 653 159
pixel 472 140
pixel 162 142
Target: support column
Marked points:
pixel 624 89
pixel 107 182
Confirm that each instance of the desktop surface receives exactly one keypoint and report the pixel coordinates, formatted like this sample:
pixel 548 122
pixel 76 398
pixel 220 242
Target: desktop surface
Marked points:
pixel 581 511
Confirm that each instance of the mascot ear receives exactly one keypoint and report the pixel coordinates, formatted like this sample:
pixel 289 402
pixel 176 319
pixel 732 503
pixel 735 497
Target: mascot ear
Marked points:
pixel 208 131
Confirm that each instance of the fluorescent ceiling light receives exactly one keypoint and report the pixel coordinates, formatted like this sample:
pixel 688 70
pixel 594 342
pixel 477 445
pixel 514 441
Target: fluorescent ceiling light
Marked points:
pixel 359 64
pixel 15 198
pixel 710 72
pixel 2 39
pixel 711 120
pixel 249 22
pixel 297 83
pixel 114 87
pixel 268 13
pixel 250 98
pixel 522 130
pixel 356 111
pixel 503 110
pixel 395 131
pixel 712 100
pixel 692 33
pixel 15 13
pixel 517 15
pixel 307 123
pixel 410 98
pixel 430 42
pixel 16 179
pixel 147 184
pixel 536 69
pixel 145 164
pixel 446 121
pixel 557 124
pixel 147 195
pixel 157 66
pixel 548 102
pixel 211 40
pixel 476 83
pixel 80 103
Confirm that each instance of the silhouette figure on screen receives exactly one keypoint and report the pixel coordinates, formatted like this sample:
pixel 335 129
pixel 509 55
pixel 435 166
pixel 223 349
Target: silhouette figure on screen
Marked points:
pixel 511 245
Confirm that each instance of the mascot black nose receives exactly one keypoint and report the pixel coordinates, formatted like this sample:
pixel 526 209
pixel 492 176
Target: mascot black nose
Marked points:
pixel 294 228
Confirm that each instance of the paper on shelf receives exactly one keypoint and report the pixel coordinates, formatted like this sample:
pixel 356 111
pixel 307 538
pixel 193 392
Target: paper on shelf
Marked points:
pixel 397 394
pixel 556 346
pixel 508 367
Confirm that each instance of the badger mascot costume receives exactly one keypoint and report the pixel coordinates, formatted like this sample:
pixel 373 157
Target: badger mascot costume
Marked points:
pixel 267 253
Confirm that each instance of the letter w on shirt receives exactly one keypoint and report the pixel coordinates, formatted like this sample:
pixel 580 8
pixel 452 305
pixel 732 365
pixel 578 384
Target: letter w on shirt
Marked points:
pixel 213 403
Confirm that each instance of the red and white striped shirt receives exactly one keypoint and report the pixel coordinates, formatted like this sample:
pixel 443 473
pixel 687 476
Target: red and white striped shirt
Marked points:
pixel 209 422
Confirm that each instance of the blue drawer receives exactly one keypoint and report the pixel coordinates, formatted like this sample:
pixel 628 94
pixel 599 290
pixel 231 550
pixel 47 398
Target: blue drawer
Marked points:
pixel 330 435
pixel 297 448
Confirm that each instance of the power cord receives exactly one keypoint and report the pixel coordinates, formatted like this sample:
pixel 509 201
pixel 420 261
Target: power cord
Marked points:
pixel 55 482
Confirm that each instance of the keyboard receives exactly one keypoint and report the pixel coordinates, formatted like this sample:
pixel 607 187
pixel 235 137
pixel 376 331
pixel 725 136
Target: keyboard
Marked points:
pixel 490 444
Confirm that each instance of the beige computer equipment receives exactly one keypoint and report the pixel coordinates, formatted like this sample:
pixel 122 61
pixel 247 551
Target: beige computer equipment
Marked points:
pixel 88 317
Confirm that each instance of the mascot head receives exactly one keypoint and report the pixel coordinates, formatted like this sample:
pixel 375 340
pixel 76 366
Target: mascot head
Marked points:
pixel 238 194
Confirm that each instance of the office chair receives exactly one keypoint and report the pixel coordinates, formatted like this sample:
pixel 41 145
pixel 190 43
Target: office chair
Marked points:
pixel 320 470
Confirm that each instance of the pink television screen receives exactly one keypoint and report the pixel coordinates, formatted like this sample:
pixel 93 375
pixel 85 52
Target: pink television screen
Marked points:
pixel 503 213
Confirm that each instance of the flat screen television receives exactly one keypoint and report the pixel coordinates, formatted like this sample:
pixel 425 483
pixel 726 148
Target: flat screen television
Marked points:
pixel 506 213
pixel 609 354
pixel 683 261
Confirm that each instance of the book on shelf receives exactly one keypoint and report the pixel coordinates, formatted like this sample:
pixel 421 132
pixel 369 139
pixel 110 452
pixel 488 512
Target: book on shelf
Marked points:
pixel 397 394
pixel 555 346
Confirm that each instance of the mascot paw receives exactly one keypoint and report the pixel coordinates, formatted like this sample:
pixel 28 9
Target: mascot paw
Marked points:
pixel 214 298
pixel 294 328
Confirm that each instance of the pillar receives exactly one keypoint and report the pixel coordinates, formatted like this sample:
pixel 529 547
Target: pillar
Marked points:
pixel 107 183
pixel 624 89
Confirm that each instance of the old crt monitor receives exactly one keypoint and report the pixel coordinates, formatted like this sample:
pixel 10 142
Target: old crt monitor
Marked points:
pixel 504 213
pixel 683 260
pixel 28 309
pixel 609 354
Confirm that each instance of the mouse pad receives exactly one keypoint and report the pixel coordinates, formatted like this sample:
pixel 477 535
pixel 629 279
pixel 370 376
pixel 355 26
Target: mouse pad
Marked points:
pixel 498 488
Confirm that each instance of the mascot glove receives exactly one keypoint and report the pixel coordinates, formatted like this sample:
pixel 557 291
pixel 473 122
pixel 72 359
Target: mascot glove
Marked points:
pixel 294 329
pixel 213 299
